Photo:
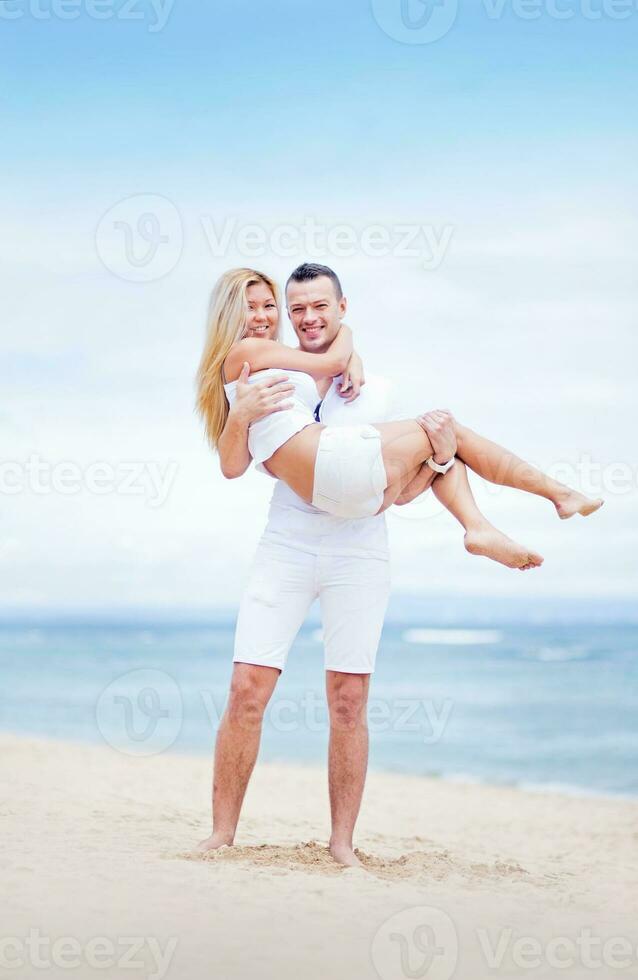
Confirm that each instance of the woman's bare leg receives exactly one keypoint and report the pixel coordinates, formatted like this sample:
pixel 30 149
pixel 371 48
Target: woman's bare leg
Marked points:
pixel 481 538
pixel 404 453
pixel 500 466
pixel 420 481
pixel 405 447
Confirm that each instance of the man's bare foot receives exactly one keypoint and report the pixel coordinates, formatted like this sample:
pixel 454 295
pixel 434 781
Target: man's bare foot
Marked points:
pixel 489 542
pixel 213 843
pixel 345 855
pixel 576 503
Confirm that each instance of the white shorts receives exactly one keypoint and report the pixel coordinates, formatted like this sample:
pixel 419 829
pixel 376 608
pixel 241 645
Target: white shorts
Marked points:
pixel 353 593
pixel 349 477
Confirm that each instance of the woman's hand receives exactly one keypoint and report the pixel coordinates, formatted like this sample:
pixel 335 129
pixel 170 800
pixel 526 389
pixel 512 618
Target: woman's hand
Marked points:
pixel 353 379
pixel 256 401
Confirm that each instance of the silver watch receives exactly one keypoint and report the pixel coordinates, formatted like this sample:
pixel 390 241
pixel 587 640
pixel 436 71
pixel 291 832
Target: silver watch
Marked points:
pixel 441 467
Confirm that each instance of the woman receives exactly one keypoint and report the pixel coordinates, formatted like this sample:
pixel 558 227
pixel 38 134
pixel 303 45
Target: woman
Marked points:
pixel 355 471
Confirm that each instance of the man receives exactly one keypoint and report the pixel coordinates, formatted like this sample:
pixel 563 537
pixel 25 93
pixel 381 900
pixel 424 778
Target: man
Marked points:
pixel 305 554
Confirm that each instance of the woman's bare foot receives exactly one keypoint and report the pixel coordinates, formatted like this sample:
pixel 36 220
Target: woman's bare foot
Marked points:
pixel 489 542
pixel 213 843
pixel 343 854
pixel 576 503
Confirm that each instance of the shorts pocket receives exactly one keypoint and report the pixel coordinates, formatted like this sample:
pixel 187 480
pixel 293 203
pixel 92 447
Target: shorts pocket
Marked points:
pixel 327 477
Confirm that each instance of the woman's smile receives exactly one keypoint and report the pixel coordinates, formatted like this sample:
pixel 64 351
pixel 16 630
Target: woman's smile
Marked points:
pixel 262 315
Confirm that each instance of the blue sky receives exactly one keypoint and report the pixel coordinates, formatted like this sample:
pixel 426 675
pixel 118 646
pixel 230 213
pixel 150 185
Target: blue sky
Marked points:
pixel 301 91
pixel 517 135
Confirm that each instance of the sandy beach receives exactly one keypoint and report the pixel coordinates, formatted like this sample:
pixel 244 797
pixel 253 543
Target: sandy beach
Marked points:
pixel 467 881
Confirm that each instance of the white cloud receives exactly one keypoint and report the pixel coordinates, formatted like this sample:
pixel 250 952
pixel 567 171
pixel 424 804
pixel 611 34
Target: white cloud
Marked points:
pixel 527 337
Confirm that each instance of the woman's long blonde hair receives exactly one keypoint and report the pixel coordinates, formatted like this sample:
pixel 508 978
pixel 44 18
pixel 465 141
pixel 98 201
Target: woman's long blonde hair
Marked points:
pixel 225 327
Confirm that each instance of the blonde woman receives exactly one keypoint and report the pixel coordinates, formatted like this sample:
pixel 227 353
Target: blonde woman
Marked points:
pixel 353 471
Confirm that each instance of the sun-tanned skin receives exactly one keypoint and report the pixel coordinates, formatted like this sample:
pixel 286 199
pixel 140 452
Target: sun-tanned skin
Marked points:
pixel 316 316
pixel 316 319
pixel 239 734
pixel 405 445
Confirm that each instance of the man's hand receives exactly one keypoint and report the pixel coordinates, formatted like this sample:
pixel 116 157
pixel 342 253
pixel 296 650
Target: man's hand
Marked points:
pixel 439 426
pixel 353 379
pixel 255 401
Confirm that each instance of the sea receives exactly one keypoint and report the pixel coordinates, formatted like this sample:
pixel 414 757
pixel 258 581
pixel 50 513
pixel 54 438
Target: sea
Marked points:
pixel 542 699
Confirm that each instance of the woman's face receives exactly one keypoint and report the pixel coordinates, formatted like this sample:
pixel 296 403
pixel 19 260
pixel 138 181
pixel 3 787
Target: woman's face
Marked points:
pixel 262 318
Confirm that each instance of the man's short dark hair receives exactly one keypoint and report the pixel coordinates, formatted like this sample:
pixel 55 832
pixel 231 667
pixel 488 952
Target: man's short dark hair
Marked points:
pixel 311 270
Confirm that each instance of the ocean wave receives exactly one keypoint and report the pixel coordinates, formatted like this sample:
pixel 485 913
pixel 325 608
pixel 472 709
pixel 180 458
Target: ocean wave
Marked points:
pixel 557 654
pixel 571 789
pixel 551 787
pixel 451 637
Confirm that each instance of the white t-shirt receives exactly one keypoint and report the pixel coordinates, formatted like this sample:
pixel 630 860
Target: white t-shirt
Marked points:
pixel 293 522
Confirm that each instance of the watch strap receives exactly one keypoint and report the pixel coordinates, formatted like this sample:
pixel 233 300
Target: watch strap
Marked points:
pixel 441 467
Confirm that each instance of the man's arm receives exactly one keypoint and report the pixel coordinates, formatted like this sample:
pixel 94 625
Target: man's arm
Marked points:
pixel 252 402
pixel 439 426
pixel 353 379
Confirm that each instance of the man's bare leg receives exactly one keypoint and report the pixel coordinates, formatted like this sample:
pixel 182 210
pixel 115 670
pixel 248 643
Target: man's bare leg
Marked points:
pixel 237 747
pixel 481 538
pixel 500 466
pixel 347 758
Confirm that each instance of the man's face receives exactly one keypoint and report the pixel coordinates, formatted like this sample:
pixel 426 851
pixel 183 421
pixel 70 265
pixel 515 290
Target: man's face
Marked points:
pixel 315 313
